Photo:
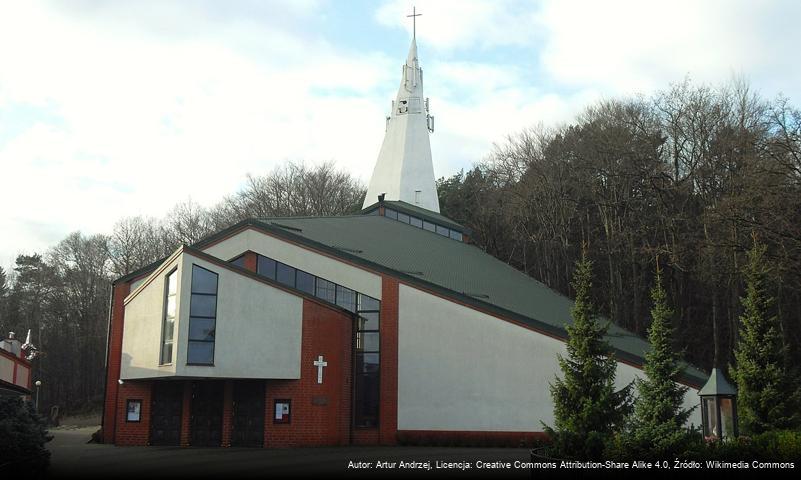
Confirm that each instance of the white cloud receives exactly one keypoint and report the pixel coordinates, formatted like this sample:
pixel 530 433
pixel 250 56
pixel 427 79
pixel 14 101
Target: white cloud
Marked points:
pixel 458 24
pixel 633 45
pixel 144 104
pixel 146 121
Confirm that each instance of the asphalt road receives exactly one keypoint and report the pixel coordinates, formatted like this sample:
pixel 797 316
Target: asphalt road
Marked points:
pixel 73 457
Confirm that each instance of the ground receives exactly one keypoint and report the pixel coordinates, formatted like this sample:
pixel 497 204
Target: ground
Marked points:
pixel 73 457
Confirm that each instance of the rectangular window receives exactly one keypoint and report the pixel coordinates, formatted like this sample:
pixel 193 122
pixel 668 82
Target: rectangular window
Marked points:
pixel 168 324
pixel 202 317
pixel 266 267
pixel 366 365
pixel 415 222
pixel 389 213
pixel 443 231
pixel 367 302
pixel 368 321
pixel 239 261
pixel 367 341
pixel 285 274
pixel 429 226
pixel 402 217
pixel 456 235
pixel 326 290
pixel 346 298
pixel 365 402
pixel 305 282
pixel 133 409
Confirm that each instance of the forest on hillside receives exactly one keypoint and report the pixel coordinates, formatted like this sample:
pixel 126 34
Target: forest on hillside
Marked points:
pixel 685 178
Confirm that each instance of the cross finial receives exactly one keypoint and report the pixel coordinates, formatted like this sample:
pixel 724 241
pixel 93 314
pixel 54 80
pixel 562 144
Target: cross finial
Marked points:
pixel 414 16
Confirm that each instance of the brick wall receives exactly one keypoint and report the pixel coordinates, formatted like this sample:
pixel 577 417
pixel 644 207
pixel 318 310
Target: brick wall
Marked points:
pixel 388 413
pixel 320 413
pixel 110 406
pixel 186 416
pixel 228 413
pixel 133 433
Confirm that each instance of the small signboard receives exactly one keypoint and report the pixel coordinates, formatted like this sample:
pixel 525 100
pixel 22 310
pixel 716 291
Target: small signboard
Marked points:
pixel 282 411
pixel 134 409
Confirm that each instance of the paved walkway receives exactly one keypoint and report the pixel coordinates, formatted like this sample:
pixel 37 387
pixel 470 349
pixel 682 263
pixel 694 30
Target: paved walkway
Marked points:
pixel 73 457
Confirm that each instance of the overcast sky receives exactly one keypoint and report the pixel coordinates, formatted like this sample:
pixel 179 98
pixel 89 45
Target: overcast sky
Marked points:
pixel 119 108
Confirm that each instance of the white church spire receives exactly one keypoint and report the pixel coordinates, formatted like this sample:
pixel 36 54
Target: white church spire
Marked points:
pixel 404 169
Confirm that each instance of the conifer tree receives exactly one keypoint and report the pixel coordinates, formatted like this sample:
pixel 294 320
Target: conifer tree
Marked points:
pixel 587 409
pixel 766 397
pixel 657 426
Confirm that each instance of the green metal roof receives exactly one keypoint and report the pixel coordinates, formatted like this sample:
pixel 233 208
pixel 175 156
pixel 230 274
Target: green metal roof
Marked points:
pixel 717 384
pixel 418 212
pixel 451 268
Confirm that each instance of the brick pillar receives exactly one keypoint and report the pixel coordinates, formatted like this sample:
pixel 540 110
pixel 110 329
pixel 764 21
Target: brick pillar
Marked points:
pixel 268 413
pixel 251 261
pixel 388 410
pixel 186 417
pixel 114 361
pixel 228 413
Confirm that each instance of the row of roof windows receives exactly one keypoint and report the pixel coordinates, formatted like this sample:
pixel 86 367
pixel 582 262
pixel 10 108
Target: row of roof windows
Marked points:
pixel 367 343
pixel 424 224
pixel 313 285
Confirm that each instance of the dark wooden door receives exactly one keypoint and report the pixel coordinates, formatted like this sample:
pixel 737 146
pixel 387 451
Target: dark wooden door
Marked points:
pixel 207 412
pixel 248 421
pixel 165 413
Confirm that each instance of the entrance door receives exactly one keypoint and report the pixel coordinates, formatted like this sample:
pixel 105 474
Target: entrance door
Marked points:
pixel 248 421
pixel 165 413
pixel 207 412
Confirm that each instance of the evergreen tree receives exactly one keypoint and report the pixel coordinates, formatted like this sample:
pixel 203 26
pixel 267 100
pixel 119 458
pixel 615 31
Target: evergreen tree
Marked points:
pixel 766 397
pixel 657 426
pixel 587 409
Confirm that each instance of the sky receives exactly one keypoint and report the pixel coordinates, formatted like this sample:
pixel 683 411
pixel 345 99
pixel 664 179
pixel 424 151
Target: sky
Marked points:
pixel 120 108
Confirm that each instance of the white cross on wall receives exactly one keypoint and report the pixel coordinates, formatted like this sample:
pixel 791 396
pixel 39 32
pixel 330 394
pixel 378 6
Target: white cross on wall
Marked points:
pixel 319 363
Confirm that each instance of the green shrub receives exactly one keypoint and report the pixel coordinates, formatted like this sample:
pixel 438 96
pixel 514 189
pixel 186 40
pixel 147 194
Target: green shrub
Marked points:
pixel 22 438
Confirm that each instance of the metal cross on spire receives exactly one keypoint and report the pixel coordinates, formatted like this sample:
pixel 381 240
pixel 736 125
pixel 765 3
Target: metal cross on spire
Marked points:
pixel 414 16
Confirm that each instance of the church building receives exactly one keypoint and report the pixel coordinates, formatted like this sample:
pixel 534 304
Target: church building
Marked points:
pixel 360 329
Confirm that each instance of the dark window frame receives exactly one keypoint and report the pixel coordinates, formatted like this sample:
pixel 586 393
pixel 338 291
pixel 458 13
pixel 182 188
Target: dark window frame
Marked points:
pixel 166 297
pixel 190 341
pixel 371 421
pixel 361 417
pixel 237 259
pixel 294 274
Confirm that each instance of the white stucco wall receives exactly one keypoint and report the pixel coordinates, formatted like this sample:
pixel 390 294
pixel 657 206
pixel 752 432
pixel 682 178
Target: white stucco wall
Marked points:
pixel 258 328
pixel 460 369
pixel 6 369
pixel 141 337
pixel 298 257
pixel 23 373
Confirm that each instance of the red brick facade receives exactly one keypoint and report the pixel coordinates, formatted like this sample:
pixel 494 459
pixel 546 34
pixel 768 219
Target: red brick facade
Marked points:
pixel 320 413
pixel 114 360
pixel 228 413
pixel 388 413
pixel 133 433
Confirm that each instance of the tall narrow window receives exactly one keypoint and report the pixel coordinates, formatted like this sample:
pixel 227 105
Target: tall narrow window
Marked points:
pixel 202 317
pixel 366 362
pixel 168 325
